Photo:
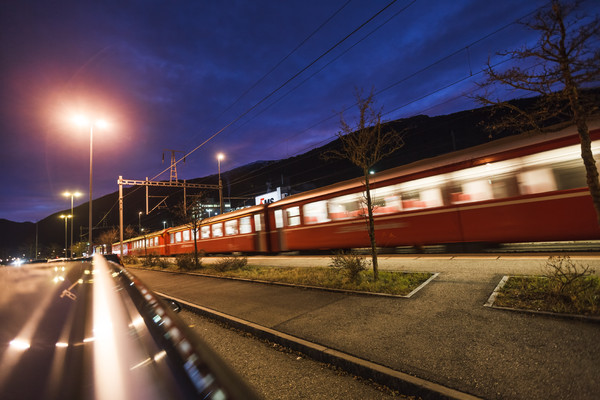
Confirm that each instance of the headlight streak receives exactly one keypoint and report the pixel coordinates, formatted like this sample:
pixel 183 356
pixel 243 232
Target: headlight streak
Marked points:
pixel 20 344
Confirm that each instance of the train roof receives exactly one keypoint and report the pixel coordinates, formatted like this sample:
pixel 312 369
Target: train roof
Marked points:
pixel 471 154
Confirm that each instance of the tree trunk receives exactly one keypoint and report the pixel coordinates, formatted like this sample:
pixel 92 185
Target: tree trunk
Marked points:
pixel 591 172
pixel 371 226
pixel 195 234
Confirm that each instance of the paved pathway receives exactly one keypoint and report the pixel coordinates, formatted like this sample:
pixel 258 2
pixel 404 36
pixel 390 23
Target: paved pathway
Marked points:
pixel 442 334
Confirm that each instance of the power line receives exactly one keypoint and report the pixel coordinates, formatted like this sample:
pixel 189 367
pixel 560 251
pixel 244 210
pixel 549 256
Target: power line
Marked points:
pixel 282 85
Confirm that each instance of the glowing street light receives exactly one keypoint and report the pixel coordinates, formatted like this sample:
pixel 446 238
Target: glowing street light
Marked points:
pixel 82 120
pixel 69 194
pixel 140 222
pixel 66 217
pixel 164 224
pixel 220 157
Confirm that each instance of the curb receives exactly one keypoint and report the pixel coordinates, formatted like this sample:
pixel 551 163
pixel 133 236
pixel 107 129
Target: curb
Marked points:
pixel 405 383
pixel 492 299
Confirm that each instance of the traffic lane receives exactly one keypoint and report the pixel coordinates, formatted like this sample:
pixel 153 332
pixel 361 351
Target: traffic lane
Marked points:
pixel 277 373
pixel 268 305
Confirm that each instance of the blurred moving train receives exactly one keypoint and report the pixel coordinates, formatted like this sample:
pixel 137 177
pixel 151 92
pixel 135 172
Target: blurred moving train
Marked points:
pixel 526 188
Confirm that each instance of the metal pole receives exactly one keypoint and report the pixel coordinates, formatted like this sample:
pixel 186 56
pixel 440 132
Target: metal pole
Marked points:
pixel 121 213
pixel 71 248
pixel 91 247
pixel 66 217
pixel 220 187
pixel 147 195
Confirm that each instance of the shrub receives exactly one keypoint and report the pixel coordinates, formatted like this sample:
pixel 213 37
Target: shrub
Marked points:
pixel 150 260
pixel 163 263
pixel 567 277
pixel 129 259
pixel 573 285
pixel 230 264
pixel 187 262
pixel 351 263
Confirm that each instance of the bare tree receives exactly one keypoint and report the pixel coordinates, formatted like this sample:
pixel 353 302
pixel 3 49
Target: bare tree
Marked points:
pixel 564 62
pixel 364 144
pixel 108 237
pixel 191 214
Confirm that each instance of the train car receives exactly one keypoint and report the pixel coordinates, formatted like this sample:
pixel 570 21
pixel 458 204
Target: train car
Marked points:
pixel 242 231
pixel 153 243
pixel 517 189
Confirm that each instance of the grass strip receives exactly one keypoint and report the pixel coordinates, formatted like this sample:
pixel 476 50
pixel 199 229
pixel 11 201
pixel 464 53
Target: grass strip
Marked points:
pixel 540 294
pixel 389 282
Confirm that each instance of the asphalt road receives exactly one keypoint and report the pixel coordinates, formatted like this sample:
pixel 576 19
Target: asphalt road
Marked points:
pixel 277 373
pixel 442 334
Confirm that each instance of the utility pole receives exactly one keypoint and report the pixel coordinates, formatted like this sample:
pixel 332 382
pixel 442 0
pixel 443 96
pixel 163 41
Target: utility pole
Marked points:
pixel 173 168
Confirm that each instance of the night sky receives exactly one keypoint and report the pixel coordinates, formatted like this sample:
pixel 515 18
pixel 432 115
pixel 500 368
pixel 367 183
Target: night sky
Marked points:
pixel 269 78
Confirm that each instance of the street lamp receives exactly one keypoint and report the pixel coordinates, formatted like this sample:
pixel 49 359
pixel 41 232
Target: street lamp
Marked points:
pixel 220 157
pixel 69 194
pixel 140 222
pixel 84 121
pixel 164 224
pixel 65 217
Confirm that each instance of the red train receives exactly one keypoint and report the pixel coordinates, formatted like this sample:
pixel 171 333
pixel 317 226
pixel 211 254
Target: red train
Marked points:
pixel 527 188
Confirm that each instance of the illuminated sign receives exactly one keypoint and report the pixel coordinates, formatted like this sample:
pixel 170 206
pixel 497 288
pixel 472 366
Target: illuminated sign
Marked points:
pixel 270 197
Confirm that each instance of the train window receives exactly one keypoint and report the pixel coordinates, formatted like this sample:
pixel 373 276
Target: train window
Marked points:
pixel 315 213
pixel 186 235
pixel 258 222
pixel 171 238
pixel 278 219
pixel 570 175
pixel 477 190
pixel 293 216
pixel 505 186
pixel 156 241
pixel 536 181
pixel 205 232
pixel 231 227
pixel 178 237
pixel 344 207
pixel 245 225
pixel 386 200
pixel 217 230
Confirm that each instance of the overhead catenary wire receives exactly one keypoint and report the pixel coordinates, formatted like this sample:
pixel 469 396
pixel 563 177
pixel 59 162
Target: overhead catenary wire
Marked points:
pixel 312 63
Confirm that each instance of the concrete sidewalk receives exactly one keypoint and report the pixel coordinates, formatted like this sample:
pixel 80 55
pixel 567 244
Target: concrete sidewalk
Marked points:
pixel 443 334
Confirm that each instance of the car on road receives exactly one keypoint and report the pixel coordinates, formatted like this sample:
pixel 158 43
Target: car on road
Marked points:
pixel 89 329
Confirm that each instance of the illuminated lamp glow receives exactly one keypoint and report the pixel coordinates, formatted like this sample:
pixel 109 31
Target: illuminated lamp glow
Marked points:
pixel 20 344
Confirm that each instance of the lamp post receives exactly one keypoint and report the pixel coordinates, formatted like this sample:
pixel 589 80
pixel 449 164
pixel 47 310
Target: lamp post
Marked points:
pixel 220 157
pixel 140 222
pixel 65 217
pixel 164 224
pixel 83 121
pixel 69 194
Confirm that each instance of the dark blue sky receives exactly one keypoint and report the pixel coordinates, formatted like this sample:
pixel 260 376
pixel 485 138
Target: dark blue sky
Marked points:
pixel 170 74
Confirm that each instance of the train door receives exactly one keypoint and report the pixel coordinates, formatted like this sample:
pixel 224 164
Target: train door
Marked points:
pixel 277 231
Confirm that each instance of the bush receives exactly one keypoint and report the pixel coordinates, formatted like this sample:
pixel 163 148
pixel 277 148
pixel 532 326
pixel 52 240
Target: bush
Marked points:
pixel 152 259
pixel 163 263
pixel 129 259
pixel 566 277
pixel 572 284
pixel 230 264
pixel 187 262
pixel 351 263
